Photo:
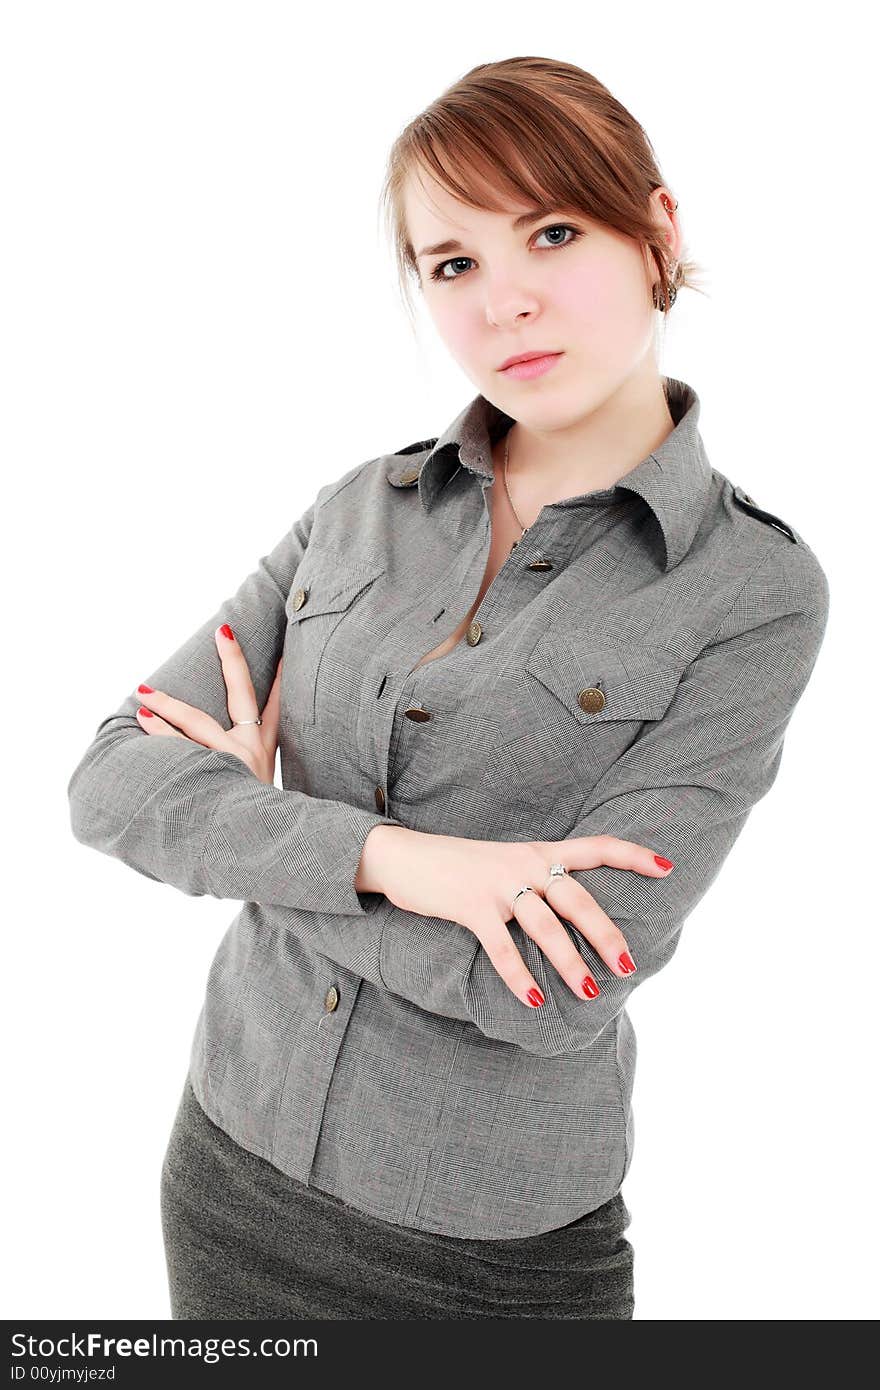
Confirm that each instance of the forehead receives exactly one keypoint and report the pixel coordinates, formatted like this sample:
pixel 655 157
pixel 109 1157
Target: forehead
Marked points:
pixel 432 208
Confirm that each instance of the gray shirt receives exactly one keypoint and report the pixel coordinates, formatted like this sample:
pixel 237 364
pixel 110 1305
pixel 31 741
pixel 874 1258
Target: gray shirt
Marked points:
pixel 375 1053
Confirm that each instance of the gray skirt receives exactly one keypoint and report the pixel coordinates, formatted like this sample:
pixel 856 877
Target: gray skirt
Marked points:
pixel 244 1240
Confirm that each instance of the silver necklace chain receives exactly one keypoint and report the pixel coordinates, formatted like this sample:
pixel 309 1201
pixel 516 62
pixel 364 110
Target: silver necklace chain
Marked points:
pixel 507 489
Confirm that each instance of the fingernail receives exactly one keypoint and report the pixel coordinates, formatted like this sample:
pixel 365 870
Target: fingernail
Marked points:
pixel 664 863
pixel 227 632
pixel 626 962
pixel 148 713
pixel 589 986
pixel 145 689
pixel 535 997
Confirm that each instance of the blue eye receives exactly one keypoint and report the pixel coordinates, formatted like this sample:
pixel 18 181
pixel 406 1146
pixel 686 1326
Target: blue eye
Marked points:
pixel 437 272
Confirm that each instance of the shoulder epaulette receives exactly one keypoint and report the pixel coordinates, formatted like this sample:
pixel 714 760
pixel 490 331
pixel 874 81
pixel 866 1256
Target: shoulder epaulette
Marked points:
pixel 749 505
pixel 404 475
pixel 418 447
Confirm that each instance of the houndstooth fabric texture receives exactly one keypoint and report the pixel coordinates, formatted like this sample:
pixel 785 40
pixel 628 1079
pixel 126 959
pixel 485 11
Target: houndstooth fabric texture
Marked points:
pixel 423 1091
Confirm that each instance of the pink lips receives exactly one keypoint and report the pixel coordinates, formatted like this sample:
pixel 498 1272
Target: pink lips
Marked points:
pixel 534 366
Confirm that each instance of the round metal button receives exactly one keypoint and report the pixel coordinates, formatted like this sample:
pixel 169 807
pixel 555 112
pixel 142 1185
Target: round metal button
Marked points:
pixel 331 999
pixel 592 699
pixel 417 713
pixel 379 798
pixel 299 598
pixel 474 633
pixel 410 475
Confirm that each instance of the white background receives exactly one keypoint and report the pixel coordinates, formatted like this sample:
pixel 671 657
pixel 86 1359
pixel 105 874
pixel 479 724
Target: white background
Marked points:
pixel 200 326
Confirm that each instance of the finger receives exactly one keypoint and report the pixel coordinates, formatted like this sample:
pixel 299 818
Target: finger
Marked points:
pixel 570 901
pixel 154 724
pixel 272 711
pixel 507 961
pixel 241 701
pixel 589 851
pixel 194 723
pixel 540 920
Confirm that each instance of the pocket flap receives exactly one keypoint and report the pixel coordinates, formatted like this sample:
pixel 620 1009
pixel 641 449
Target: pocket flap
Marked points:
pixel 328 586
pixel 636 682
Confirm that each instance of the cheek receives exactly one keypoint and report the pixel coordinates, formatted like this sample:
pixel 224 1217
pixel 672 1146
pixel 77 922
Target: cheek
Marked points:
pixel 606 309
pixel 459 329
pixel 593 295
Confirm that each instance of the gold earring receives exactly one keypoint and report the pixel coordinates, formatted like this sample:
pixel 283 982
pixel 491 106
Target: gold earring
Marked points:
pixel 659 302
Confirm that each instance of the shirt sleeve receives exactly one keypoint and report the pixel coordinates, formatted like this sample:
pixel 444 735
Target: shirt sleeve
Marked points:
pixel 684 789
pixel 199 819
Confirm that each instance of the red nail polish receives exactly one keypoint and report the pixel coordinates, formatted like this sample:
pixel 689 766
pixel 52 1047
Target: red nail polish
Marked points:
pixel 664 863
pixel 147 712
pixel 145 689
pixel 227 632
pixel 589 986
pixel 626 962
pixel 535 997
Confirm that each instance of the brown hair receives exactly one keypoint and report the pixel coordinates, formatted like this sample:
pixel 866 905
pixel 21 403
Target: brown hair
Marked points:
pixel 537 131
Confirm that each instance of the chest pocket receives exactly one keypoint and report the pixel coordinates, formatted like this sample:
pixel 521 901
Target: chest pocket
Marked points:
pixel 582 704
pixel 325 653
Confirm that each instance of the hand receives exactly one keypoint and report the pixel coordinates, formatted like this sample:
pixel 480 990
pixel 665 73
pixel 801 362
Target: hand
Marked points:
pixel 473 882
pixel 254 744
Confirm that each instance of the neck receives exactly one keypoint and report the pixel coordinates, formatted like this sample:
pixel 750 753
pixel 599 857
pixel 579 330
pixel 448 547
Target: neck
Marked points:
pixel 590 454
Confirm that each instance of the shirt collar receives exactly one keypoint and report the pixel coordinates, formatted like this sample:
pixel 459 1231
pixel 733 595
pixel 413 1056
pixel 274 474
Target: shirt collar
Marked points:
pixel 673 480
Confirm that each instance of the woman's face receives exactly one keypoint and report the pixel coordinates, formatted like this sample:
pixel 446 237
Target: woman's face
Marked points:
pixel 560 283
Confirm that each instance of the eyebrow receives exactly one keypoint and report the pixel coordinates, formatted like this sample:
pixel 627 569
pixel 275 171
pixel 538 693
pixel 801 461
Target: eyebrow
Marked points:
pixel 443 246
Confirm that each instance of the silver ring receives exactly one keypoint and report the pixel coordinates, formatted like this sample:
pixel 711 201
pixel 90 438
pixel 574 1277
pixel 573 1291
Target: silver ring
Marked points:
pixel 556 871
pixel 237 722
pixel 526 888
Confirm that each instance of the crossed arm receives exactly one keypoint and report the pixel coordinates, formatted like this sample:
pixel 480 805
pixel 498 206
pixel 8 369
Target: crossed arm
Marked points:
pixel 684 789
pixel 201 821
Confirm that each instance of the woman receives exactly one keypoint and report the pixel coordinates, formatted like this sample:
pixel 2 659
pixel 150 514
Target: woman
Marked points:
pixel 536 672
